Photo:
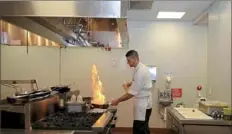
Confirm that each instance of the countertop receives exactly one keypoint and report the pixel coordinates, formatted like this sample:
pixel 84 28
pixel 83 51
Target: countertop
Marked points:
pixel 4 105
pixel 22 131
pixel 178 117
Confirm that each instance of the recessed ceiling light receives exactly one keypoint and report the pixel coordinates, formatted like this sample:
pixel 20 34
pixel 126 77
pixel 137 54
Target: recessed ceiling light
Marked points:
pixel 170 15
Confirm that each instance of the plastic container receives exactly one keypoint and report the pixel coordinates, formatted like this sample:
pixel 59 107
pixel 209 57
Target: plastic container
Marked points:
pixel 75 107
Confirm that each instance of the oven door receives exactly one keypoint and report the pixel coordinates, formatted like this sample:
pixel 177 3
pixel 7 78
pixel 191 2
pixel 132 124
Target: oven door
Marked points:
pixel 111 125
pixel 175 127
pixel 108 128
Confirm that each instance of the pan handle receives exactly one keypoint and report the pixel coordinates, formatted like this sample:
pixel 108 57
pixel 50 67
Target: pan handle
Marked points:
pixel 65 85
pixel 70 84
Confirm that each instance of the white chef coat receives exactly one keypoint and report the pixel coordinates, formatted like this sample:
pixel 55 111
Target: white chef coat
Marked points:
pixel 141 89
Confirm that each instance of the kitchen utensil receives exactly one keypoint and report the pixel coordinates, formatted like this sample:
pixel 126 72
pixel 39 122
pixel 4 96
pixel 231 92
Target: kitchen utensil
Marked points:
pixel 18 100
pixel 22 98
pixel 102 106
pixel 60 89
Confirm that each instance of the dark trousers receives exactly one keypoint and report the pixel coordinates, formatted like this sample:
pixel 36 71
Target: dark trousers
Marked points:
pixel 142 127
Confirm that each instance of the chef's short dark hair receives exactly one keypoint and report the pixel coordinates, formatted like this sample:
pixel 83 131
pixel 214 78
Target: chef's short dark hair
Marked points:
pixel 132 53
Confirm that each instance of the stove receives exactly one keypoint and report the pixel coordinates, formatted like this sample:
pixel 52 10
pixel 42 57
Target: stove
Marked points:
pixel 93 121
pixel 68 121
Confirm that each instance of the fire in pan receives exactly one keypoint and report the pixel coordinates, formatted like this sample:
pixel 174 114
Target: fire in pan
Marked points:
pixel 93 104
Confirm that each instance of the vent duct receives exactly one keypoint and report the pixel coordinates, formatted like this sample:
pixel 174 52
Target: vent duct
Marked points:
pixel 94 9
pixel 30 25
pixel 140 5
pixel 93 19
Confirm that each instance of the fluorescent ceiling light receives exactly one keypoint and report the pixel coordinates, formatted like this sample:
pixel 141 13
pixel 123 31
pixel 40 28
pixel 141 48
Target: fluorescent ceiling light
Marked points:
pixel 170 15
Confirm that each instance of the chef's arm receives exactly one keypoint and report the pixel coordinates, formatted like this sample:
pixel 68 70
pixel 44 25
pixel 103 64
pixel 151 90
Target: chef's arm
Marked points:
pixel 126 88
pixel 125 97
pixel 127 85
pixel 134 86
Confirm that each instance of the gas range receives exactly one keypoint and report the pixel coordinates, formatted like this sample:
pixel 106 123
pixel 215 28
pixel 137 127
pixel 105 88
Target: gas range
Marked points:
pixel 97 122
pixel 68 121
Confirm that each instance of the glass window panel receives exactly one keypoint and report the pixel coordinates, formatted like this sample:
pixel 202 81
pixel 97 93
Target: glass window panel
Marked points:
pixel 12 35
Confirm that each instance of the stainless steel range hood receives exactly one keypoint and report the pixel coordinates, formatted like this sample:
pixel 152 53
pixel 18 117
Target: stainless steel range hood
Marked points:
pixel 95 9
pixel 49 13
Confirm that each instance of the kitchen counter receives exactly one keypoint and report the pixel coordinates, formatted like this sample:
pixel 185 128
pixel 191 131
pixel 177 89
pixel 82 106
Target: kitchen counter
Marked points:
pixel 22 131
pixel 30 111
pixel 182 125
pixel 185 121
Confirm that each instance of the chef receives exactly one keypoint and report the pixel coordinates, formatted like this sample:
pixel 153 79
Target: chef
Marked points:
pixel 139 88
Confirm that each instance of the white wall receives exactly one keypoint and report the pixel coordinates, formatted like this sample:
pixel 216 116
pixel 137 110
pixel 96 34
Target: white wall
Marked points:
pixel 174 47
pixel 41 63
pixel 219 51
pixel 179 48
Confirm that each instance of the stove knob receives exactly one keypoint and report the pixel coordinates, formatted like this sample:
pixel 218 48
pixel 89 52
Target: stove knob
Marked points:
pixel 222 115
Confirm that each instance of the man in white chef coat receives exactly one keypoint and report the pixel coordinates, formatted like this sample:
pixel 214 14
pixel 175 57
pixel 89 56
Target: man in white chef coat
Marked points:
pixel 139 88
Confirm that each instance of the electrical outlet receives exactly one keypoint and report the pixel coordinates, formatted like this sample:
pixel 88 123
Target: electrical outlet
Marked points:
pixel 114 62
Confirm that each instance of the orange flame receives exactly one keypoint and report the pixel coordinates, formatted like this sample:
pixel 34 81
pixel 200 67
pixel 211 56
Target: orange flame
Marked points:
pixel 97 87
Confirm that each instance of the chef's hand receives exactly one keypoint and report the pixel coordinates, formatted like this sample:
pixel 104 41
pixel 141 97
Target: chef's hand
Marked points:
pixel 115 102
pixel 125 87
pixel 129 84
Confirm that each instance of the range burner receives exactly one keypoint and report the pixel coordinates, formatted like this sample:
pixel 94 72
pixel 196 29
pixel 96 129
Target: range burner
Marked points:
pixel 68 121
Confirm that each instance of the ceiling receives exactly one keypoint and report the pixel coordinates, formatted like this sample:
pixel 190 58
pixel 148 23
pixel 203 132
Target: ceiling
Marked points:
pixel 140 10
pixel 193 9
pixel 196 12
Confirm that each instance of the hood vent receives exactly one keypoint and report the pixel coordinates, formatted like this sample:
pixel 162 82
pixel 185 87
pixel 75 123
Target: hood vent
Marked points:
pixel 30 25
pixel 140 5
pixel 93 9
pixel 55 24
pixel 78 23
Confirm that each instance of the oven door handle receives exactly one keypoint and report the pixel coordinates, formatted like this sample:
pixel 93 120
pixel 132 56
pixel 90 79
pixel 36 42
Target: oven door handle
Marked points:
pixel 175 129
pixel 113 122
pixel 111 125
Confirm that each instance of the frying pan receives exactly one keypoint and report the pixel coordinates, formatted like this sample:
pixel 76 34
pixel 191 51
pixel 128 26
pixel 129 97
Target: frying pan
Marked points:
pixel 88 100
pixel 101 106
pixel 106 105
pixel 23 98
pixel 61 89
pixel 35 94
pixel 39 94
pixel 18 99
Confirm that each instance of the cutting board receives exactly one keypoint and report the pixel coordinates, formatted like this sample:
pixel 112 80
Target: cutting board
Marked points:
pixel 188 113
